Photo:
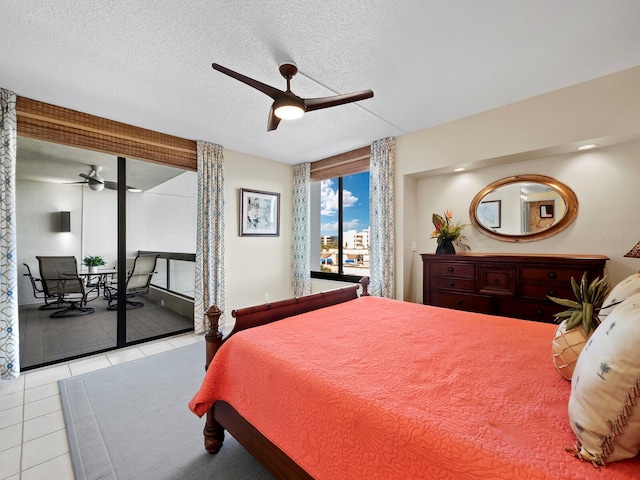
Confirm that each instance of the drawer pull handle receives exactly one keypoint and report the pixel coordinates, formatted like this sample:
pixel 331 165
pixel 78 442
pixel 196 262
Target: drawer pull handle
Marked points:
pixel 451 283
pixel 553 275
pixel 496 282
pixel 539 313
pixel 458 302
pixel 450 269
pixel 552 293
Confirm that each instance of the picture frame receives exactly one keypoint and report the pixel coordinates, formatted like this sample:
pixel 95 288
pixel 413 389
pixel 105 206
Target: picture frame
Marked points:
pixel 259 213
pixel 490 213
pixel 546 211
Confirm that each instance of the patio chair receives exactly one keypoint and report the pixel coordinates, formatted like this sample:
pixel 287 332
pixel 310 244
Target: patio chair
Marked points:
pixel 59 277
pixel 138 281
pixel 50 302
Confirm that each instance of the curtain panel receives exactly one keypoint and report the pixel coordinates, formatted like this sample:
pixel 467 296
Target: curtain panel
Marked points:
pixel 301 229
pixel 210 268
pixel 9 340
pixel 382 224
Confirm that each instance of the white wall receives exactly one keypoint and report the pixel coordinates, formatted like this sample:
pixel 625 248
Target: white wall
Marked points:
pixel 164 218
pixel 37 219
pixel 256 266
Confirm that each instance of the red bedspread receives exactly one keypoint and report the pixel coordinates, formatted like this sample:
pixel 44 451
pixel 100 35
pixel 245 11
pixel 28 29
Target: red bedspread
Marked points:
pixel 382 389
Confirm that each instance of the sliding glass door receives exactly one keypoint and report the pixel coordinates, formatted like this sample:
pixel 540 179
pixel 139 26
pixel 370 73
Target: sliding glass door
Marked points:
pixel 108 212
pixel 160 250
pixel 65 213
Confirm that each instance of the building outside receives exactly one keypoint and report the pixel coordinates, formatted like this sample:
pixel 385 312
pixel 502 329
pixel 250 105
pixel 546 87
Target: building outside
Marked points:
pixel 355 253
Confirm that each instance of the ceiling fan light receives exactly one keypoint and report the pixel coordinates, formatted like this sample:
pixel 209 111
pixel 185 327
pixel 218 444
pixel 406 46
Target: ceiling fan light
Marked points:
pixel 96 186
pixel 288 112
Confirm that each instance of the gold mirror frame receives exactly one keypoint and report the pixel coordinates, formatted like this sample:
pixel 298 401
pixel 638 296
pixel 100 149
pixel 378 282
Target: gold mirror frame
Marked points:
pixel 568 195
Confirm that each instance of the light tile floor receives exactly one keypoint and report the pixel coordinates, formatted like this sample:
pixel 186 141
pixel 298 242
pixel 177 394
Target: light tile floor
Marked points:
pixel 33 438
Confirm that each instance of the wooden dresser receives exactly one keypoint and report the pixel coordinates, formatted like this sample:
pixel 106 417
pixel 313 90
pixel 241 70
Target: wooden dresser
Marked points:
pixel 511 285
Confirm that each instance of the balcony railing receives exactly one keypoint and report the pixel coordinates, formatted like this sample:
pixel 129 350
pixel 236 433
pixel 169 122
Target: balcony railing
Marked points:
pixel 175 272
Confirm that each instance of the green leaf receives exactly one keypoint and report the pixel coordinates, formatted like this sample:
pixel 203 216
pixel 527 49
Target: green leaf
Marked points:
pixel 575 320
pixel 587 317
pixel 565 302
pixel 584 288
pixel 437 219
pixel 576 289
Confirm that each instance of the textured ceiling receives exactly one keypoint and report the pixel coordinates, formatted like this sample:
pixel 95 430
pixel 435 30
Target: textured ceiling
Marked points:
pixel 148 63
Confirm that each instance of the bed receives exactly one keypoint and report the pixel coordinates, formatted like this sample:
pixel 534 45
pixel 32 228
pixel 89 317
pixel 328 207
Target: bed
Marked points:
pixel 336 385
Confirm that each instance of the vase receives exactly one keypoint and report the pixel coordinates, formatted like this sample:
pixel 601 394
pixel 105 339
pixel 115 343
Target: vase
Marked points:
pixel 446 248
pixel 93 269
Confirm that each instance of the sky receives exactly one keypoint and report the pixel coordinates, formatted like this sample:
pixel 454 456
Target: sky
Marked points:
pixel 355 200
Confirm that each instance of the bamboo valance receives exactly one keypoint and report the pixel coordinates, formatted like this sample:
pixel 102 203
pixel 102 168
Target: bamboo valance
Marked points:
pixel 348 163
pixel 51 123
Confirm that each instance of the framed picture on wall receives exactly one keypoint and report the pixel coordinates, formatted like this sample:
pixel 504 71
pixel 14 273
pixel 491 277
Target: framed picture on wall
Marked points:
pixel 546 211
pixel 490 213
pixel 259 213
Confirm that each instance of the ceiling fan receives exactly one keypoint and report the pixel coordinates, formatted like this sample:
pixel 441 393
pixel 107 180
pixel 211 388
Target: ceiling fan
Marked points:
pixel 287 105
pixel 97 183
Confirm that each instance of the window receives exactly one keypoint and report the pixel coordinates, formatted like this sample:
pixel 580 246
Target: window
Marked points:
pixel 340 227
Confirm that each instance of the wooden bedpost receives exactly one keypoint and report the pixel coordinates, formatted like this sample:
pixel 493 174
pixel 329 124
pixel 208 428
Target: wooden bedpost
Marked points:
pixel 364 281
pixel 213 432
pixel 213 335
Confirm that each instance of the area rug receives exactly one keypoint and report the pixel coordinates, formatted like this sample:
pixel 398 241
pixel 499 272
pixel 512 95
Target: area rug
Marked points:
pixel 131 421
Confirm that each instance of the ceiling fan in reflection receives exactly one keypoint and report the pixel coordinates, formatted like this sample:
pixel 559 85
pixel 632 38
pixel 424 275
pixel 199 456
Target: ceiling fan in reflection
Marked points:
pixel 97 183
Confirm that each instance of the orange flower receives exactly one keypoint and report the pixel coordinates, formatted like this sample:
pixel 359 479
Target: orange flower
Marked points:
pixel 448 214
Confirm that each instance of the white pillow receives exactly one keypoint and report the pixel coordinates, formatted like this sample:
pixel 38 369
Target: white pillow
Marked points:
pixel 604 405
pixel 623 290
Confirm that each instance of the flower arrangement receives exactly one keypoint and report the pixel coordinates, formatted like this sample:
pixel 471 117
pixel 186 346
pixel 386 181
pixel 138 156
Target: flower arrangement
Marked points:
pixel 445 230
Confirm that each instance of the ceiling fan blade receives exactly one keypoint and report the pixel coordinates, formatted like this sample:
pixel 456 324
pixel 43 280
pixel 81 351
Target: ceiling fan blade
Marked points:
pixel 273 121
pixel 263 87
pixel 312 104
pixel 110 185
pixel 91 179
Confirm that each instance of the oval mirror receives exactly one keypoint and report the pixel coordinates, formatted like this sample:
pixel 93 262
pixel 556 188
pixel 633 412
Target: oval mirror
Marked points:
pixel 523 208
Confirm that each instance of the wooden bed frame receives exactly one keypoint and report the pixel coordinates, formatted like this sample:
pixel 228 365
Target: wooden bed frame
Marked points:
pixel 222 416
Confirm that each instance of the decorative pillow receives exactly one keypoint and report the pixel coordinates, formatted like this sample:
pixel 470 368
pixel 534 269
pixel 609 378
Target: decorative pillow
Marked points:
pixel 604 405
pixel 623 290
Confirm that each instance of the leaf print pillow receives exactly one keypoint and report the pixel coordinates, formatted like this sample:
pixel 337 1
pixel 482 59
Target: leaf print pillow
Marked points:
pixel 604 405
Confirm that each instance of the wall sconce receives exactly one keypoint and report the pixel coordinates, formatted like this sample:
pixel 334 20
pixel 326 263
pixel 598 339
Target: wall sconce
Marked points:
pixel 65 221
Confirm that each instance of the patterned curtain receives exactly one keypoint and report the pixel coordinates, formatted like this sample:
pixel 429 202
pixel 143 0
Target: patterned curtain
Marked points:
pixel 9 344
pixel 301 229
pixel 210 282
pixel 381 217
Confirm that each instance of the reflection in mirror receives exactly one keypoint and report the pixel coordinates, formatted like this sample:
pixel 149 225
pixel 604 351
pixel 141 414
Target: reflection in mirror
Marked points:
pixel 523 208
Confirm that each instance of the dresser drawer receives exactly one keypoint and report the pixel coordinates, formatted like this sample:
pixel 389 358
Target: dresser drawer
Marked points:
pixel 461 301
pixel 459 284
pixel 496 280
pixel 538 311
pixel 550 275
pixel 453 269
pixel 538 291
